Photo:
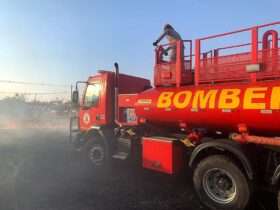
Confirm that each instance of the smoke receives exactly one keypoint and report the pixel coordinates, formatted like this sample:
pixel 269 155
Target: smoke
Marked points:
pixel 16 113
pixel 27 156
pixel 22 124
pixel 39 170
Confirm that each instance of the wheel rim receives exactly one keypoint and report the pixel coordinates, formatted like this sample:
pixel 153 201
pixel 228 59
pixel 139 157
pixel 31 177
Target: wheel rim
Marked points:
pixel 219 185
pixel 97 155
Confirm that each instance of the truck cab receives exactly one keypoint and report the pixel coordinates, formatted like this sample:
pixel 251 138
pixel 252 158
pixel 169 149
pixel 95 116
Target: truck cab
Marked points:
pixel 96 106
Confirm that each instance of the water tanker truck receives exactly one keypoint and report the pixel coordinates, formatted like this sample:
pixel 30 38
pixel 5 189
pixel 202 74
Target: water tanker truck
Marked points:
pixel 215 113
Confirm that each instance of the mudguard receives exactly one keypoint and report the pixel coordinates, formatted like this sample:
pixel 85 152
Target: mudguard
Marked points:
pixel 223 145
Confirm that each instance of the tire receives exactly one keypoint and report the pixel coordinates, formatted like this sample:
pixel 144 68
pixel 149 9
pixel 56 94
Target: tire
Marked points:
pixel 220 184
pixel 96 154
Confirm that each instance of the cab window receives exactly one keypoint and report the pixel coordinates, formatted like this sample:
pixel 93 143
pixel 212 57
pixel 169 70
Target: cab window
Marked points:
pixel 92 95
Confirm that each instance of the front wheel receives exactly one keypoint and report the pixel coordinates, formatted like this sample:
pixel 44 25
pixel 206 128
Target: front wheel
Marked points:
pixel 97 155
pixel 220 184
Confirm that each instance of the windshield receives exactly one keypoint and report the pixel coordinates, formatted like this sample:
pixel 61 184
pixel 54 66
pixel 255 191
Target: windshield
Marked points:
pixel 92 95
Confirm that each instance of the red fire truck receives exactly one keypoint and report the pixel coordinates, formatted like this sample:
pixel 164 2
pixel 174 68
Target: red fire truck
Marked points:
pixel 214 112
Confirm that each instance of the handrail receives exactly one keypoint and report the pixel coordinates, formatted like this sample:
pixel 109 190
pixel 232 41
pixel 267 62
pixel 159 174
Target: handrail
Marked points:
pixel 178 65
pixel 239 31
pixel 174 43
pixel 254 47
pixel 240 45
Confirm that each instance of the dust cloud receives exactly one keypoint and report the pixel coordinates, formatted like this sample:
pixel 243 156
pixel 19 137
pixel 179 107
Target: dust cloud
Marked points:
pixel 17 113
pixel 40 170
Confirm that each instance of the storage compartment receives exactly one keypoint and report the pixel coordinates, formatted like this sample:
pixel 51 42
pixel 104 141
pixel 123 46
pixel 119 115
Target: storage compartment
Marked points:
pixel 162 154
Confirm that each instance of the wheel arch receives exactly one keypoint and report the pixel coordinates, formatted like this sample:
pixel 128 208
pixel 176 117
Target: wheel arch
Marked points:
pixel 92 132
pixel 222 146
pixel 102 134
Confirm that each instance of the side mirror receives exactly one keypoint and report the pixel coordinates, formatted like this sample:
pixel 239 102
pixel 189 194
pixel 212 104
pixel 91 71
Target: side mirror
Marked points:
pixel 75 97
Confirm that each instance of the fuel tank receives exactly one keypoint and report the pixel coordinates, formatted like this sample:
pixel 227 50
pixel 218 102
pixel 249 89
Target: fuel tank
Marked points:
pixel 216 107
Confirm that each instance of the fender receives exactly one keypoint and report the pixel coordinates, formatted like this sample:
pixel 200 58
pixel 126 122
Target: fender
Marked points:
pixel 105 135
pixel 224 145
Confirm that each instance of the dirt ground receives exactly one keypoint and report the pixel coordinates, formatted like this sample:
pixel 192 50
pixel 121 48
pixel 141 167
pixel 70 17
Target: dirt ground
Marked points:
pixel 40 171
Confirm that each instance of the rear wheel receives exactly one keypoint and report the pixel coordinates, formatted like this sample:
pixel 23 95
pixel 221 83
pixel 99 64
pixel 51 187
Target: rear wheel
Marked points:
pixel 220 184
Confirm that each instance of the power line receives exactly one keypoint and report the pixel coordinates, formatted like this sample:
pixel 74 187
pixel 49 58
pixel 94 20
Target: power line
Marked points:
pixel 35 93
pixel 33 83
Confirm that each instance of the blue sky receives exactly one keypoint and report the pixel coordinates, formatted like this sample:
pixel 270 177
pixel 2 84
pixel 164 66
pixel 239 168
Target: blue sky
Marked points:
pixel 61 41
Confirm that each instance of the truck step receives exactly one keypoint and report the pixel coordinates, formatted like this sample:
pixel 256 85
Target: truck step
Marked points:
pixel 120 155
pixel 123 149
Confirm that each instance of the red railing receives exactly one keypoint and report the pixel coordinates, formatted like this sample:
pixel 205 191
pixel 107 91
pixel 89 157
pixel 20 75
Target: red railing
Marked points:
pixel 232 67
pixel 173 72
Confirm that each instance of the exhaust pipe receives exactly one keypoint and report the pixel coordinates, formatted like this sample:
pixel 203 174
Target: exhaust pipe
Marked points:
pixel 116 92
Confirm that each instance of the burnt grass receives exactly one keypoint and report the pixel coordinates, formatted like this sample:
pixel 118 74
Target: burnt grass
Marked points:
pixel 39 170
